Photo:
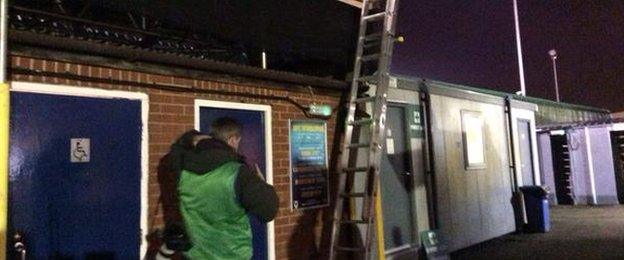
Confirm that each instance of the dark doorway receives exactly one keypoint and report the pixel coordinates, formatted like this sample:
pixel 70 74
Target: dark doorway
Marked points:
pixel 617 143
pixel 561 168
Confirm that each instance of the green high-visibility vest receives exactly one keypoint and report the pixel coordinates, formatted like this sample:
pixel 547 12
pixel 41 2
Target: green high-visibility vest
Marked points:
pixel 215 221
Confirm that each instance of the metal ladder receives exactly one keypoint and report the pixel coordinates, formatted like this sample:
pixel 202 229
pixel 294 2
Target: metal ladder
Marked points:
pixel 371 70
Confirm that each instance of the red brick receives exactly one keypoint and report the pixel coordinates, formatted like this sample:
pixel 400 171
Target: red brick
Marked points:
pixel 174 109
pixel 36 64
pixel 16 61
pixel 172 113
pixel 155 78
pixel 183 82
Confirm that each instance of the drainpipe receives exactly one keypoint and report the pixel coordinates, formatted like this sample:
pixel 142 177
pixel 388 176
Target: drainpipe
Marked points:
pixel 432 196
pixel 512 149
pixel 517 200
pixel 4 130
pixel 590 164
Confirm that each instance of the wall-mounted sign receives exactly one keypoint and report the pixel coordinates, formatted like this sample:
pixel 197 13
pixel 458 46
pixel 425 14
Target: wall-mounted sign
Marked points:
pixel 393 82
pixel 308 164
pixel 415 120
pixel 434 244
pixel 80 150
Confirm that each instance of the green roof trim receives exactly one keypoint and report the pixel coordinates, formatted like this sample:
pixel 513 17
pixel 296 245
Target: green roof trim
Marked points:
pixel 534 100
pixel 546 102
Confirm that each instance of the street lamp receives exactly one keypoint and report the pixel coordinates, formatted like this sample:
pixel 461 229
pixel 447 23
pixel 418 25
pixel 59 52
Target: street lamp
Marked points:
pixel 519 48
pixel 553 57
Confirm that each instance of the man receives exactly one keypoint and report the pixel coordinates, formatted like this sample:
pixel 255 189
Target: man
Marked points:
pixel 217 191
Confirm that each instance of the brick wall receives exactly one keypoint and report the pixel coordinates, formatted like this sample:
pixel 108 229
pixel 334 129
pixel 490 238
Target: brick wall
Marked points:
pixel 297 233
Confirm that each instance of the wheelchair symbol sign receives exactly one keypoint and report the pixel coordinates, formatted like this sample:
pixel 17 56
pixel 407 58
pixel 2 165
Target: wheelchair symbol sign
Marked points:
pixel 80 151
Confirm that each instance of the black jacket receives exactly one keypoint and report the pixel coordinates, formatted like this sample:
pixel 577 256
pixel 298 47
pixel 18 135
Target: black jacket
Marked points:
pixel 254 194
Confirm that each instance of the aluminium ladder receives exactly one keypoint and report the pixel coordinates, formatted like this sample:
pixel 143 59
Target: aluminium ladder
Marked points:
pixel 371 70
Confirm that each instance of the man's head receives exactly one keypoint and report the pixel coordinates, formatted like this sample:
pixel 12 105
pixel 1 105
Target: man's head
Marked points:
pixel 228 130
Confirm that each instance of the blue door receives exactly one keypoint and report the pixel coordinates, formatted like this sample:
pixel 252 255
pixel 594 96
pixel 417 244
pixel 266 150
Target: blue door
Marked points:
pixel 80 199
pixel 252 146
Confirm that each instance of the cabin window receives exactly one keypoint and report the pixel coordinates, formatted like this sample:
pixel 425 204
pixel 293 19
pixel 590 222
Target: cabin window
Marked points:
pixel 472 133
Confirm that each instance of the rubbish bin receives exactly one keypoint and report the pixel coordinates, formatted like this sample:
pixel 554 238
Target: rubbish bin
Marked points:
pixel 537 211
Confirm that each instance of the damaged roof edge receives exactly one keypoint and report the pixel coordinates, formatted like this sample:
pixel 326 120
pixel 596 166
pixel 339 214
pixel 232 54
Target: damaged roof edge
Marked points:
pixel 141 55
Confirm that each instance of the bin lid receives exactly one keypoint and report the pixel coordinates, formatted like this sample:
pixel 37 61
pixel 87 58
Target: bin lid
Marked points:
pixel 537 191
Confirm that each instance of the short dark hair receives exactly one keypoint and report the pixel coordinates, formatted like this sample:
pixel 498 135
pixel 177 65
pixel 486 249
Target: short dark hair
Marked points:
pixel 225 127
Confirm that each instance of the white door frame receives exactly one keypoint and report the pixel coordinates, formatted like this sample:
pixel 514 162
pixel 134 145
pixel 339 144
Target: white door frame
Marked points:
pixel 64 90
pixel 526 115
pixel 266 109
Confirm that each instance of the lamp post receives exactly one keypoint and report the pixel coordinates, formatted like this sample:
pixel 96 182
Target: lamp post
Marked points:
pixel 553 57
pixel 519 48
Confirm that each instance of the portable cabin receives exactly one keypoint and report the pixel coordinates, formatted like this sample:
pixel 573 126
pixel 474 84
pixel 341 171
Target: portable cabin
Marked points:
pixel 578 163
pixel 473 159
pixel 448 163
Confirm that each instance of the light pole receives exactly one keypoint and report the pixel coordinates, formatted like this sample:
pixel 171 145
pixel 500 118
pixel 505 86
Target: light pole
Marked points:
pixel 553 57
pixel 519 48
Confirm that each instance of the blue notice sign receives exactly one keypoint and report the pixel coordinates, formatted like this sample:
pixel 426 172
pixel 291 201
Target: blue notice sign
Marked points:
pixel 308 164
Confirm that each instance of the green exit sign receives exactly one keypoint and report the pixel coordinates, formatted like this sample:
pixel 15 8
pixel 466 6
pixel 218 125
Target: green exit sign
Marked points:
pixel 320 110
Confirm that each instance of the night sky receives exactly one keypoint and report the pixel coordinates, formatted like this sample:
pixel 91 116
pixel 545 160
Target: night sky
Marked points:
pixel 465 42
pixel 473 43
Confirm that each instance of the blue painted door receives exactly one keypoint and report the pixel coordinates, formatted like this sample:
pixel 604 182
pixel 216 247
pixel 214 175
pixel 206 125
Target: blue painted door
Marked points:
pixel 252 146
pixel 75 210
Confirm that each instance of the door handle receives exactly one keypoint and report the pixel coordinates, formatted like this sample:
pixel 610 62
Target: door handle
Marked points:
pixel 408 181
pixel 19 245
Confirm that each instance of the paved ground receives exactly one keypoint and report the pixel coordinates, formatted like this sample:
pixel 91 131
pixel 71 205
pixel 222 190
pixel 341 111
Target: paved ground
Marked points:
pixel 579 232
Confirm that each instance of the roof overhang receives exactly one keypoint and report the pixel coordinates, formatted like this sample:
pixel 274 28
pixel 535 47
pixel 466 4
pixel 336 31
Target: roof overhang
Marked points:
pixel 138 55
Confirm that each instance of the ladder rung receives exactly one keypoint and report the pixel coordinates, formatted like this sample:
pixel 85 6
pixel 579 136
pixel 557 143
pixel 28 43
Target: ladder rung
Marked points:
pixel 371 44
pixel 364 99
pixel 355 169
pixel 374 48
pixel 352 249
pixel 353 221
pixel 353 194
pixel 369 78
pixel 362 121
pixel 372 37
pixel 374 17
pixel 371 57
pixel 358 145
